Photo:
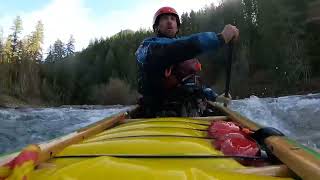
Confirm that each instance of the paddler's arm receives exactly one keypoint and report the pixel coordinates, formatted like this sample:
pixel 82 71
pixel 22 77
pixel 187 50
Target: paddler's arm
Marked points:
pixel 160 53
pixel 211 95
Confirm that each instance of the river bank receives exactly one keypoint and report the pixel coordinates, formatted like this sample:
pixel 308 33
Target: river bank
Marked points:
pixel 7 101
pixel 115 94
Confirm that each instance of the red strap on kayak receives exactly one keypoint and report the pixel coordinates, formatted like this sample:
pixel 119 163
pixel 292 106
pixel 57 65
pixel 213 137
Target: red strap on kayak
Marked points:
pixel 233 140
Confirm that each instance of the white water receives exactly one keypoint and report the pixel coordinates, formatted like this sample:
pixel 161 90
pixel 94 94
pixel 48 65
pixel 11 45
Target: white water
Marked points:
pixel 19 127
pixel 296 116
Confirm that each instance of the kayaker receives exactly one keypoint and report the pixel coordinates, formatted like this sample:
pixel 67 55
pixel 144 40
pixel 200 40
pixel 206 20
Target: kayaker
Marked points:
pixel 164 60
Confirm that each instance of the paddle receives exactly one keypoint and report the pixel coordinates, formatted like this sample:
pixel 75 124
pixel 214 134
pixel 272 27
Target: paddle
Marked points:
pixel 228 69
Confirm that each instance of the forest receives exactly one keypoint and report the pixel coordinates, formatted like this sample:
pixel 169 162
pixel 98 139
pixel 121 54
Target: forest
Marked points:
pixel 277 54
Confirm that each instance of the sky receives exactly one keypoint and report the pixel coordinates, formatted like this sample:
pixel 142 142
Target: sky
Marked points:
pixel 87 19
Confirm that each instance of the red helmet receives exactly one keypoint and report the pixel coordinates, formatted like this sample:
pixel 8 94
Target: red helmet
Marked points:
pixel 165 10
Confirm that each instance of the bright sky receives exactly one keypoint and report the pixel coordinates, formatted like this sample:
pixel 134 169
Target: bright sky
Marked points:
pixel 87 19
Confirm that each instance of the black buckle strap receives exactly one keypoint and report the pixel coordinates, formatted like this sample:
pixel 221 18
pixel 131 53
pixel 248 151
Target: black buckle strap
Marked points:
pixel 263 133
pixel 260 136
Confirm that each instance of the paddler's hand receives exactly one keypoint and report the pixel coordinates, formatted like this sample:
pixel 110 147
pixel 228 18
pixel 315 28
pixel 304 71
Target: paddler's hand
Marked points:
pixel 229 33
pixel 225 100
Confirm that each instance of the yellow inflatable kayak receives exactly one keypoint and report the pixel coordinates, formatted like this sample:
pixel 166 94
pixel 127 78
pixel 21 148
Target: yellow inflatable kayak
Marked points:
pixel 158 148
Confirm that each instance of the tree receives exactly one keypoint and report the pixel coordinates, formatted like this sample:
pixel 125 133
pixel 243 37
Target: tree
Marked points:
pixel 185 25
pixel 1 46
pixel 34 43
pixel 50 56
pixel 56 52
pixel 8 54
pixel 16 44
pixel 59 51
pixel 70 49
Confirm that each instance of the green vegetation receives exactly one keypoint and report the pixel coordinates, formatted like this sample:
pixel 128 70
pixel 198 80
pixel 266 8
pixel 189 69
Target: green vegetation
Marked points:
pixel 277 54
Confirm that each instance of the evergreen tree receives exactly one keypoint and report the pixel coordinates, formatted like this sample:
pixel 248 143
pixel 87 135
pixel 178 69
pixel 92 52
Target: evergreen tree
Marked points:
pixel 35 42
pixel 70 48
pixel 16 43
pixel 1 46
pixel 50 57
pixel 59 50
pixel 8 54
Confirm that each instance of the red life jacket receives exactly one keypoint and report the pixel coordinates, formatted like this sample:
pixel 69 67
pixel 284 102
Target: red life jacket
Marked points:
pixel 175 74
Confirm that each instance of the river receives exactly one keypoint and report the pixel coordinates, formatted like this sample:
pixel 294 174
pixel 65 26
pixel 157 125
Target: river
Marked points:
pixel 296 116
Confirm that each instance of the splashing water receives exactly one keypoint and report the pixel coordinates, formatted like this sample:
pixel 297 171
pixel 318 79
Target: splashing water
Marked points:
pixel 20 127
pixel 296 116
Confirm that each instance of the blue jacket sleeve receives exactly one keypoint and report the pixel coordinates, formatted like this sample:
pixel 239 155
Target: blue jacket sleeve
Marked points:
pixel 160 53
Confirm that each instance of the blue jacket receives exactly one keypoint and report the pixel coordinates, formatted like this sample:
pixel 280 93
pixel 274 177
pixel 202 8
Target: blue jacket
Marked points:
pixel 158 53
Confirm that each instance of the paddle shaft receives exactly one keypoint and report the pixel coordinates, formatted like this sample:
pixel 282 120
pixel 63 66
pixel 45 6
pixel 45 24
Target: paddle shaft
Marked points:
pixel 228 69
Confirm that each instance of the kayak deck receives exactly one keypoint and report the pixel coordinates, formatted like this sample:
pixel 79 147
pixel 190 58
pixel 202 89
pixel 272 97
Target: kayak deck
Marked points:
pixel 159 148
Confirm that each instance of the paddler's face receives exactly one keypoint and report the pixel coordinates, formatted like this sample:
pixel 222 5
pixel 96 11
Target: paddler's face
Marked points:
pixel 168 25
